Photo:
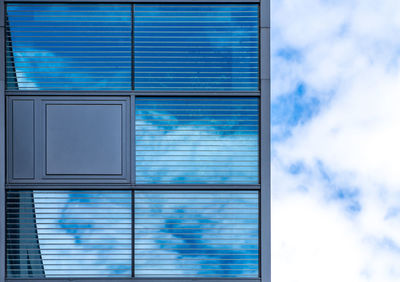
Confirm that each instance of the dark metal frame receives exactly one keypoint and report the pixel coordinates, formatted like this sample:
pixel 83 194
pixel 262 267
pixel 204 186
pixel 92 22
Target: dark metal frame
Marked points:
pixel 264 187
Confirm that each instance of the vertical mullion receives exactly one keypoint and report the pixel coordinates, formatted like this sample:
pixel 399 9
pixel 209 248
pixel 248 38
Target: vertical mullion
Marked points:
pixel 132 233
pixel 133 141
pixel 132 137
pixel 265 137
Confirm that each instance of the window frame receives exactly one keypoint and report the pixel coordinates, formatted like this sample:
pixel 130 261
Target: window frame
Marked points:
pixel 264 139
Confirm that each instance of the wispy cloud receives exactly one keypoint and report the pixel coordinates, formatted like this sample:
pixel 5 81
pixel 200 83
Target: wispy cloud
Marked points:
pixel 335 82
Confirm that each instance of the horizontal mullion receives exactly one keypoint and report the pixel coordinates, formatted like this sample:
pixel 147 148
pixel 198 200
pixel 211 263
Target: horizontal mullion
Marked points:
pixel 183 67
pixel 239 197
pixel 86 72
pixel 194 87
pixel 66 83
pixel 38 209
pixel 137 17
pixel 59 41
pixel 65 36
pixel 87 228
pixel 31 88
pixel 82 51
pixel 70 31
pixel 70 57
pixel 69 11
pixel 237 23
pixel 77 233
pixel 78 21
pixel 191 11
pixel 203 171
pixel 69 46
pixel 155 189
pixel 71 15
pixel 193 239
pixel 38 204
pixel 72 249
pixel 121 3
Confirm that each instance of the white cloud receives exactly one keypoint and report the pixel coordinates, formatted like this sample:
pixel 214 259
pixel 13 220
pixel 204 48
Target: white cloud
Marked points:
pixel 347 55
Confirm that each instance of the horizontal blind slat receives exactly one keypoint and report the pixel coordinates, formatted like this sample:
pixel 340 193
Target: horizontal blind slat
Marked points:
pixel 47 27
pixel 39 242
pixel 165 252
pixel 195 30
pixel 182 140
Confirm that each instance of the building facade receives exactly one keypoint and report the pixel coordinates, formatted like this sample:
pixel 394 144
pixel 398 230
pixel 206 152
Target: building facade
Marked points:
pixel 135 140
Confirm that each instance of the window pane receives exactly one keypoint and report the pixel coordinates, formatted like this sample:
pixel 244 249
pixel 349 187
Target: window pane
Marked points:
pixel 68 47
pixel 196 234
pixel 68 234
pixel 196 47
pixel 197 140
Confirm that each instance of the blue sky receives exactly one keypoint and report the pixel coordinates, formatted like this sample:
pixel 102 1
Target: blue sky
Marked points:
pixel 335 136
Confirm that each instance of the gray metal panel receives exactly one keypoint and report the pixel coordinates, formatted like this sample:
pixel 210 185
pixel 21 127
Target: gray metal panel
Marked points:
pixel 265 51
pixel 102 156
pixel 265 19
pixel 83 139
pixel 22 137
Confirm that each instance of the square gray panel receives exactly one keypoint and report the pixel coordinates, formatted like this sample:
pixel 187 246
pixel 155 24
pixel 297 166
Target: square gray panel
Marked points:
pixel 83 139
pixel 69 139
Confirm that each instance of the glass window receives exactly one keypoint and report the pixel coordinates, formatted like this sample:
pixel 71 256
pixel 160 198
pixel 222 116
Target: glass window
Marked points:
pixel 196 234
pixel 68 47
pixel 196 47
pixel 69 234
pixel 197 140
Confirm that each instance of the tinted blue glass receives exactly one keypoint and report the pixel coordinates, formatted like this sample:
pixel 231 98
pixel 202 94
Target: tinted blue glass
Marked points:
pixel 68 47
pixel 69 234
pixel 197 140
pixel 196 47
pixel 196 234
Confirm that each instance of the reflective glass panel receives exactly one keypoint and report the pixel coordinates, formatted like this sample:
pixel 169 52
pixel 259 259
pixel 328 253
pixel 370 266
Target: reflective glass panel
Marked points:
pixel 68 234
pixel 196 47
pixel 68 46
pixel 200 140
pixel 196 234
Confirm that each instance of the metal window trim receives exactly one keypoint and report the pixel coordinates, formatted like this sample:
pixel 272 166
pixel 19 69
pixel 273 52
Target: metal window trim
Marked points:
pixel 265 142
pixel 136 1
pixel 136 93
pixel 202 187
pixel 137 280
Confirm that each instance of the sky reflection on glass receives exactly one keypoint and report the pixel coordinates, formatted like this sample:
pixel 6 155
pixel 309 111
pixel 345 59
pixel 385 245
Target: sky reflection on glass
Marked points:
pixel 88 234
pixel 69 47
pixel 197 140
pixel 196 47
pixel 196 234
pixel 80 233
